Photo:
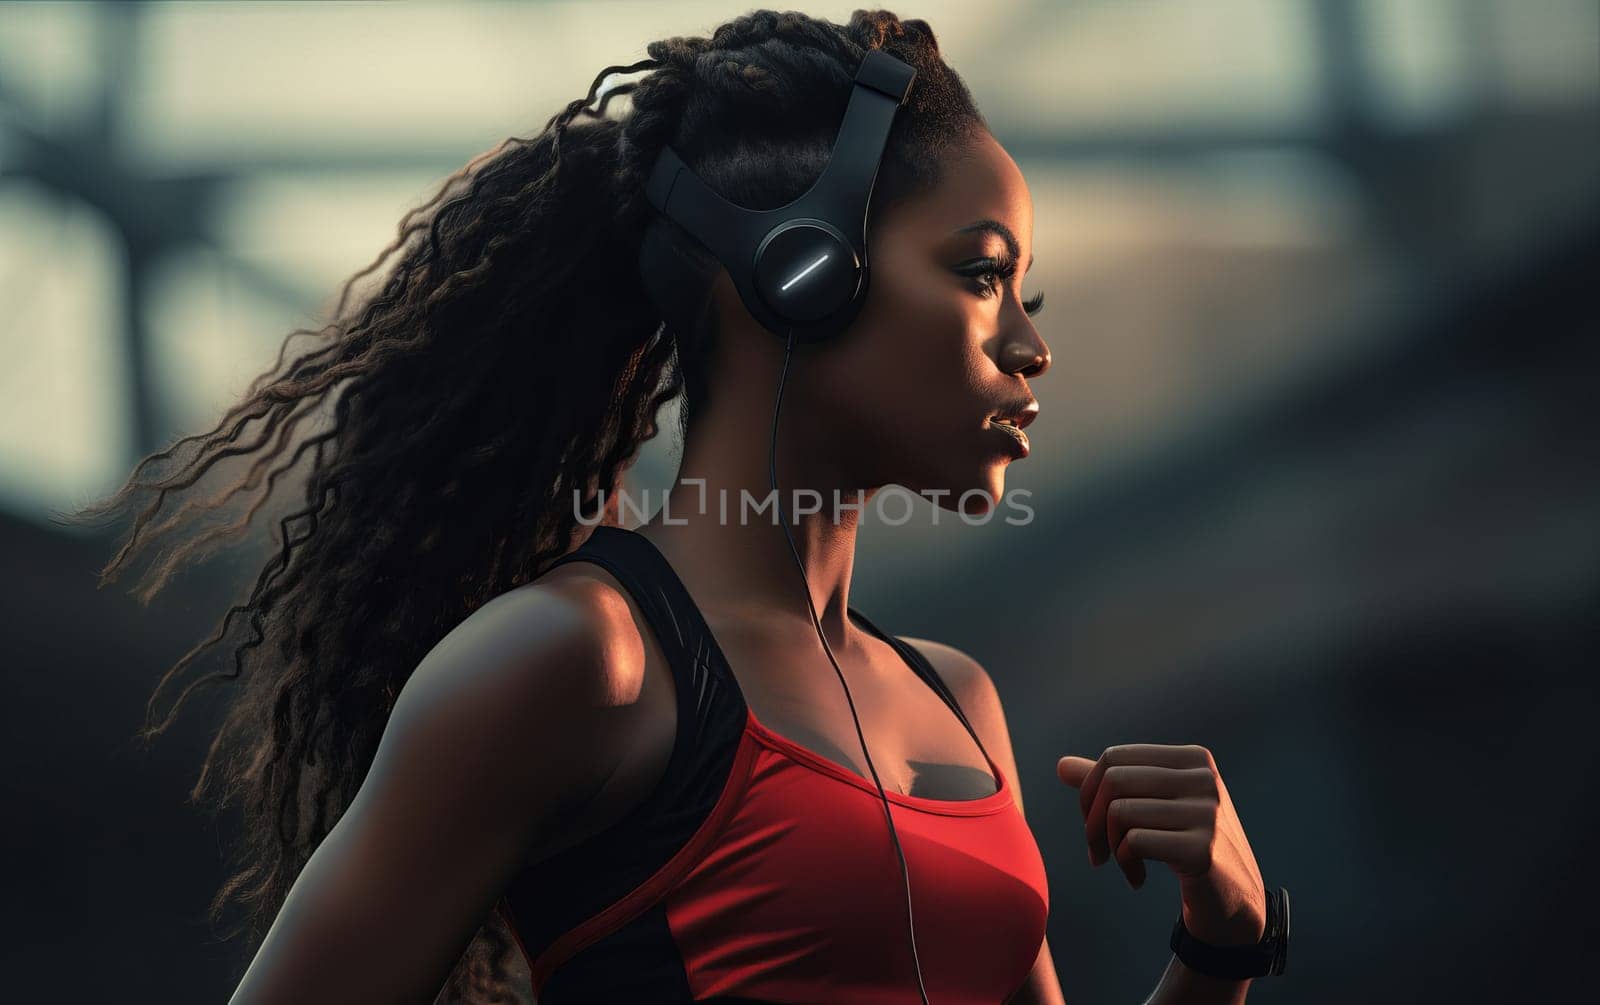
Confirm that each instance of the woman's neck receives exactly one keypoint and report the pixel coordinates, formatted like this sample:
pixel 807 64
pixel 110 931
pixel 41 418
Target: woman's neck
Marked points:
pixel 719 528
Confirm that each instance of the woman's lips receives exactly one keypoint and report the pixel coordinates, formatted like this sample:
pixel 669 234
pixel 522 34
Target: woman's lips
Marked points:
pixel 1018 439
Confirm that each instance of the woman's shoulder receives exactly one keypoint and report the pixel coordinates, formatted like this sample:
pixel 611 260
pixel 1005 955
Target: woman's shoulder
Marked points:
pixel 567 633
pixel 550 674
pixel 558 668
pixel 962 674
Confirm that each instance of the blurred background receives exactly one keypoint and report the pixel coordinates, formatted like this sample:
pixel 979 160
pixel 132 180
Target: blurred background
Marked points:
pixel 1315 481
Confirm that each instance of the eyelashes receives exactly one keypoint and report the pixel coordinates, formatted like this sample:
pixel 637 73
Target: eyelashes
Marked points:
pixel 992 272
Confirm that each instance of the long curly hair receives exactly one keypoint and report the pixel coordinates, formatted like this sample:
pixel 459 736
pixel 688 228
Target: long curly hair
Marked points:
pixel 501 356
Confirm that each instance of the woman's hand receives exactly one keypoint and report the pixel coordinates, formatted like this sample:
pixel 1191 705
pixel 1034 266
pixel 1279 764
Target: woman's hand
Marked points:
pixel 1167 803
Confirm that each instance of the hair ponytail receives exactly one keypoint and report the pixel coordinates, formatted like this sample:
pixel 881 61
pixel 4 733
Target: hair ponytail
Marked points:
pixel 510 356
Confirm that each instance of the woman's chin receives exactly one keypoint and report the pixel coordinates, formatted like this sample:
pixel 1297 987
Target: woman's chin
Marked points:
pixel 972 496
pixel 982 499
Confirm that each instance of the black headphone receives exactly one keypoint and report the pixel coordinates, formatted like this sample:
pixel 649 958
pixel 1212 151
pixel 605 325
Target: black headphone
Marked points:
pixel 802 272
pixel 800 269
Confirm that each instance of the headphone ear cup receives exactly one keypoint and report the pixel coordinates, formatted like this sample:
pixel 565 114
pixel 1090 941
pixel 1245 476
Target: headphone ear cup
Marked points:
pixel 835 326
pixel 806 272
pixel 676 271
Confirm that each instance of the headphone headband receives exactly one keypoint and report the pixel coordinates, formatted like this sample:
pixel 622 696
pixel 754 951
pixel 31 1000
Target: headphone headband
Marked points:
pixel 800 269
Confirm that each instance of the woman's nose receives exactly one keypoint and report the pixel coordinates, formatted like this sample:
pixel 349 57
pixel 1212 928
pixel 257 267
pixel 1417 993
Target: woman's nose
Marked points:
pixel 1026 356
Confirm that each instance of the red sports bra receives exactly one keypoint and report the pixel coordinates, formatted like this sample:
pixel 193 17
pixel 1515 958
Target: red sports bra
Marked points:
pixel 760 871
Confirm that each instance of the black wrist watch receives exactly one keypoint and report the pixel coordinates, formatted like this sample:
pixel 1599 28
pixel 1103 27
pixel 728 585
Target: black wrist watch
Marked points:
pixel 1265 958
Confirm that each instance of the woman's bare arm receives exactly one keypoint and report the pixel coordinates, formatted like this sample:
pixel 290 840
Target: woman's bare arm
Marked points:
pixel 509 726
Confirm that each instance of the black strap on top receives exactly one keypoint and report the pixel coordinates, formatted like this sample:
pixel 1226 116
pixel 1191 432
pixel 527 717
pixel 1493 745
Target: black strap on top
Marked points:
pixel 924 669
pixel 699 666
pixel 683 634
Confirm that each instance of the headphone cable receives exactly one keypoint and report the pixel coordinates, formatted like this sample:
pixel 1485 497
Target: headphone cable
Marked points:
pixel 772 470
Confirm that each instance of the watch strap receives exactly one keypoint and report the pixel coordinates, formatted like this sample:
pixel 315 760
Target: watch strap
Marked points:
pixel 1267 957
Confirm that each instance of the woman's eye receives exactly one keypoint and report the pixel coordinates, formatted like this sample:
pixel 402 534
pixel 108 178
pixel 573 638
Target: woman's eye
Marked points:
pixel 990 273
pixel 986 271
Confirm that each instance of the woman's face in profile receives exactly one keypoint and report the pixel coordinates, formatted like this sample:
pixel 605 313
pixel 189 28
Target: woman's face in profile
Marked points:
pixel 943 343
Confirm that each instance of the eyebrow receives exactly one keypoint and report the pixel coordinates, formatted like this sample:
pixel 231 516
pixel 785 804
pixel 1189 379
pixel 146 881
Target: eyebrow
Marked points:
pixel 987 225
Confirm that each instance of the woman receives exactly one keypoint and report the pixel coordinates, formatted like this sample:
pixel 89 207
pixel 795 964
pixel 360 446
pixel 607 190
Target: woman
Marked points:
pixel 630 771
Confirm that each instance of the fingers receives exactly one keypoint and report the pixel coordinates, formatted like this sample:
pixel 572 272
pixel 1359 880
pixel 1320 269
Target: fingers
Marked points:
pixel 1187 851
pixel 1165 798
pixel 1144 782
pixel 1152 754
pixel 1132 867
pixel 1073 770
pixel 1124 815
